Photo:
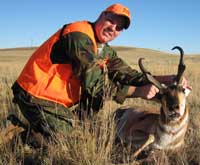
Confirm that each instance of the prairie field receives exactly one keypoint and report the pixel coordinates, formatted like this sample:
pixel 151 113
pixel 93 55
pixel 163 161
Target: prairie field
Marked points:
pixel 95 147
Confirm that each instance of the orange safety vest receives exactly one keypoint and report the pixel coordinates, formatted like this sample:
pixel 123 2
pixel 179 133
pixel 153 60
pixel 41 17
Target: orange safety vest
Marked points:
pixel 54 82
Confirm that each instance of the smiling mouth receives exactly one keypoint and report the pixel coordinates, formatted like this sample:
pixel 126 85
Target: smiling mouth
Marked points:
pixel 105 33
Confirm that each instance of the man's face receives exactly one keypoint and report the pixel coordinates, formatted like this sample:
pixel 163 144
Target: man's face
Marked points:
pixel 109 26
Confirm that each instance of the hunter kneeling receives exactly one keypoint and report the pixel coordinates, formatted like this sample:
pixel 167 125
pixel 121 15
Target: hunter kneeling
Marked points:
pixel 65 77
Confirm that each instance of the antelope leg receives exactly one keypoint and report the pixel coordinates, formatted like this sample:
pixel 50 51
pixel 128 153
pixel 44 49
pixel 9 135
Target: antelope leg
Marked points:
pixel 149 141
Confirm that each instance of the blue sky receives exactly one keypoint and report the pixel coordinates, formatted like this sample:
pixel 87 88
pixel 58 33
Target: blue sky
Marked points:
pixel 156 24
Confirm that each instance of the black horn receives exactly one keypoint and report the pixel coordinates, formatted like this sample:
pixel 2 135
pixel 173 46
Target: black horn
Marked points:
pixel 149 77
pixel 181 66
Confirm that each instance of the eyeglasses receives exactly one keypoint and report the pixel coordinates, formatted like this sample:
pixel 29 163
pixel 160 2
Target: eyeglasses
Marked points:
pixel 117 20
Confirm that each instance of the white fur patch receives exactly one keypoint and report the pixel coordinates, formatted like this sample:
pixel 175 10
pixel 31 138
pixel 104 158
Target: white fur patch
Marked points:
pixel 182 107
pixel 187 91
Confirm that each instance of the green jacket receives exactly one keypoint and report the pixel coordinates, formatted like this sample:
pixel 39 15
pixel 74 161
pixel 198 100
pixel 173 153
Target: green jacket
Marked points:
pixel 76 48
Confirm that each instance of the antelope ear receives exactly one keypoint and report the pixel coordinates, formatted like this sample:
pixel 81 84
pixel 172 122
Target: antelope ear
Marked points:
pixel 187 91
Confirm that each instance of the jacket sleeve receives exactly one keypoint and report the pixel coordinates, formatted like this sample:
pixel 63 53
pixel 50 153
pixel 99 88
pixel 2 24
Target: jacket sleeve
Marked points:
pixel 120 72
pixel 121 75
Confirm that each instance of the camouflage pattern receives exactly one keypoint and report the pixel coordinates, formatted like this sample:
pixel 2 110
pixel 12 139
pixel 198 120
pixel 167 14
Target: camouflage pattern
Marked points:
pixel 97 84
pixel 44 116
pixel 85 66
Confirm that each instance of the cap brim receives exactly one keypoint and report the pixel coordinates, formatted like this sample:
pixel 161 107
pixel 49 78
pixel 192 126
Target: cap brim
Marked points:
pixel 127 22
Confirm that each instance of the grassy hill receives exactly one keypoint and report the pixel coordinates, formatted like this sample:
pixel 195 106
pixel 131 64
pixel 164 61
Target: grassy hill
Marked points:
pixel 80 148
pixel 129 54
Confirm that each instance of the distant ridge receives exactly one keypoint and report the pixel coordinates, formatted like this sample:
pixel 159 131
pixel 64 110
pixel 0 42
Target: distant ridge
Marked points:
pixel 133 50
pixel 117 48
pixel 18 48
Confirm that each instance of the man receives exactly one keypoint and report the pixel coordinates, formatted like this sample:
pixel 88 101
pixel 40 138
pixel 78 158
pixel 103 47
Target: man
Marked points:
pixel 68 69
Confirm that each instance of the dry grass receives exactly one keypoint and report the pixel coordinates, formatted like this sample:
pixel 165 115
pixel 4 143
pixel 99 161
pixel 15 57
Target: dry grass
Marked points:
pixel 92 143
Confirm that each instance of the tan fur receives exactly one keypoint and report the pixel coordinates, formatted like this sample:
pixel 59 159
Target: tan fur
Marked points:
pixel 136 124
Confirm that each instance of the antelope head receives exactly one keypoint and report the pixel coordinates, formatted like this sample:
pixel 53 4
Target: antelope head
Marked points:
pixel 172 96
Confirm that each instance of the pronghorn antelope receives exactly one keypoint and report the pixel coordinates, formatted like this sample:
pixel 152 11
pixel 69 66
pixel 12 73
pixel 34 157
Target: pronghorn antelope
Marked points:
pixel 164 129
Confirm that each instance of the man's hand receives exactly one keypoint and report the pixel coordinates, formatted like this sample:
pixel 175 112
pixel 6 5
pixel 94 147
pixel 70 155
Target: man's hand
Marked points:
pixel 169 79
pixel 149 91
pixel 145 92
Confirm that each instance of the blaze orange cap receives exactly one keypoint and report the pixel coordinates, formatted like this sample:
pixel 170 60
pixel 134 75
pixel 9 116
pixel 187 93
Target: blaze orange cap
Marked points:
pixel 120 10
